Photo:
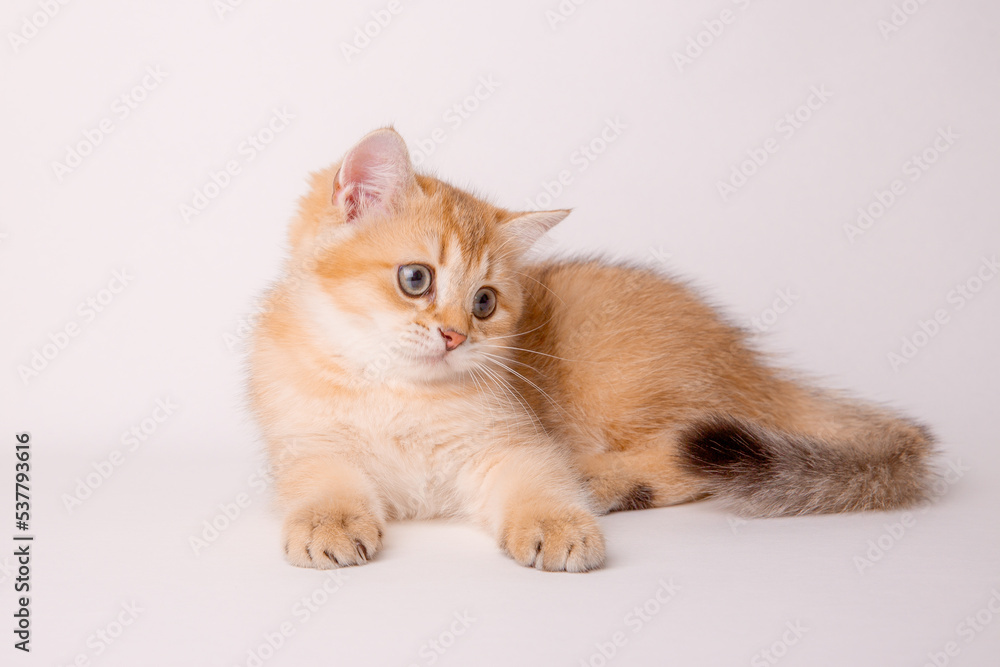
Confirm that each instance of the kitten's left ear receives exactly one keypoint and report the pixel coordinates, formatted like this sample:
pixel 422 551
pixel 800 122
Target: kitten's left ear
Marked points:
pixel 373 175
pixel 529 227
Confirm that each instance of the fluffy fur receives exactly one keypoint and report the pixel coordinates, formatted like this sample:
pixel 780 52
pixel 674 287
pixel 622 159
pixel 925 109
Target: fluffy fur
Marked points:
pixel 591 388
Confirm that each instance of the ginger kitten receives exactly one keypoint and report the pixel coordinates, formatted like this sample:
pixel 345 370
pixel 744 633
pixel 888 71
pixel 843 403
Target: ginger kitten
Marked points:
pixel 411 363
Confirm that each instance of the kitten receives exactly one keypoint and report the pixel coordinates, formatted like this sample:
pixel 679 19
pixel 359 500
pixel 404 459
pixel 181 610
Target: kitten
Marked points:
pixel 411 363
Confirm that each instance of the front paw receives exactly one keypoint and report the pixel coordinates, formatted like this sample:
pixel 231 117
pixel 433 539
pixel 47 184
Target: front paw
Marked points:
pixel 326 536
pixel 554 539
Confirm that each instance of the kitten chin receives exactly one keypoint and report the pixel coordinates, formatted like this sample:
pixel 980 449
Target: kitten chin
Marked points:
pixel 414 362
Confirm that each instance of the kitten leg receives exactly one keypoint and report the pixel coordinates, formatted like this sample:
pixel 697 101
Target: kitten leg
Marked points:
pixel 333 517
pixel 534 504
pixel 639 478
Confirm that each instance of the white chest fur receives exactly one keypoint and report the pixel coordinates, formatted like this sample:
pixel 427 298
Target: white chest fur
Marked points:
pixel 414 448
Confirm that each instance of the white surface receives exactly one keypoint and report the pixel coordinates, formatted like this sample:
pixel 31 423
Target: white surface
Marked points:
pixel 653 192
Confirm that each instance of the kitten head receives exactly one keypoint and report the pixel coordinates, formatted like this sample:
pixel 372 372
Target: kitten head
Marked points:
pixel 403 277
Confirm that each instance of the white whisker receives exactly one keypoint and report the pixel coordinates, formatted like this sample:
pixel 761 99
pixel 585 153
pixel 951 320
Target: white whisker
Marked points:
pixel 544 354
pixel 489 408
pixel 543 285
pixel 510 391
pixel 539 389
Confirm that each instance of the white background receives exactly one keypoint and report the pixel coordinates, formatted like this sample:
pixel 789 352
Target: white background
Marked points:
pixel 652 195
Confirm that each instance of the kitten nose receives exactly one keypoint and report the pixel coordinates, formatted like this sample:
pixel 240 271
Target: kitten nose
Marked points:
pixel 452 338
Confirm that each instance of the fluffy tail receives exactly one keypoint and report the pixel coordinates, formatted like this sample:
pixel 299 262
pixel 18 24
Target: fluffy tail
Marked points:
pixel 764 472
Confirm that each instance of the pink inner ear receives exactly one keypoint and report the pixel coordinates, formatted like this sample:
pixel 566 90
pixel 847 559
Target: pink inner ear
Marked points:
pixel 372 174
pixel 354 199
pixel 528 227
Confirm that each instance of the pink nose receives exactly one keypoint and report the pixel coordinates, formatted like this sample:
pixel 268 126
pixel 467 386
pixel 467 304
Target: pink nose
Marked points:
pixel 452 338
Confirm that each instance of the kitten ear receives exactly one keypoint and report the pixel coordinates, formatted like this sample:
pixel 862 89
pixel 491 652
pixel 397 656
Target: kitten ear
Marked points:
pixel 374 173
pixel 529 227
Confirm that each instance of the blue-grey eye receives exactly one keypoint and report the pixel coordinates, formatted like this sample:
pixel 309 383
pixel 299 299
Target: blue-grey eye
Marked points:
pixel 414 279
pixel 484 303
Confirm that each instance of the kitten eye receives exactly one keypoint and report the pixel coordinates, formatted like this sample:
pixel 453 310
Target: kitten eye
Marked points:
pixel 485 303
pixel 414 279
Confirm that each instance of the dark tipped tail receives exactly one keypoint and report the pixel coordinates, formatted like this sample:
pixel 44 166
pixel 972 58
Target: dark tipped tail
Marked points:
pixel 762 472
